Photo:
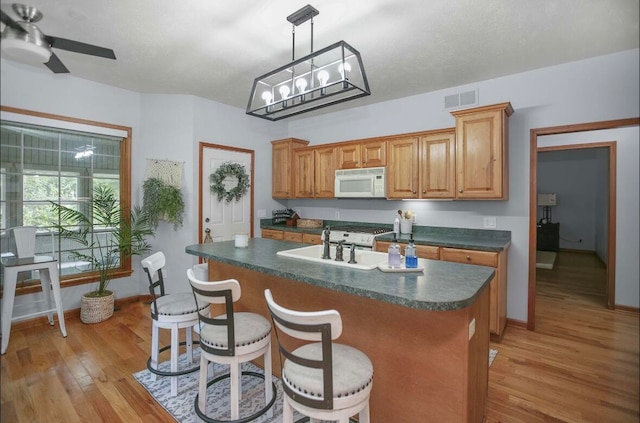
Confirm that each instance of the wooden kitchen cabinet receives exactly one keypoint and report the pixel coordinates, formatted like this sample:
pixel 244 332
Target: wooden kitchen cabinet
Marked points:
pixel 272 234
pixel 438 164
pixel 422 251
pixel 482 139
pixel 314 172
pixel 353 155
pixel 292 236
pixel 302 237
pixel 283 172
pixel 402 168
pixel 315 239
pixel 498 287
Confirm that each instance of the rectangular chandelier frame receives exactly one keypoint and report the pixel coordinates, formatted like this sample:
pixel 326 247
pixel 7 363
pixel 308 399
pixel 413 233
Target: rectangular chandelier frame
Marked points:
pixel 329 76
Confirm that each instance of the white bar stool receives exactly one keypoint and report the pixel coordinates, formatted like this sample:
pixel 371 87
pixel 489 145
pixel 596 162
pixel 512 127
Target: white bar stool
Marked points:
pixel 26 260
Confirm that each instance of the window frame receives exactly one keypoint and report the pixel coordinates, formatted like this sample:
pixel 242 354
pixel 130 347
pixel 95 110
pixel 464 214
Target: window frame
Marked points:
pixel 30 116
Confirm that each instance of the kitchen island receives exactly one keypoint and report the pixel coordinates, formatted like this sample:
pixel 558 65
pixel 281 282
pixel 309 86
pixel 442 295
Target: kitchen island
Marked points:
pixel 426 333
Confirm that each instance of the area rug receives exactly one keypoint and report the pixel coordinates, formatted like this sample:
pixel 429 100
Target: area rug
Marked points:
pixel 545 259
pixel 181 408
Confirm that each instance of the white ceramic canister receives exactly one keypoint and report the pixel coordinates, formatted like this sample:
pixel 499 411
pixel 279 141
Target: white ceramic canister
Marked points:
pixel 242 240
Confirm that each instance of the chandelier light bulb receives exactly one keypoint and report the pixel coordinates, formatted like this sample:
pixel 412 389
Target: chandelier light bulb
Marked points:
pixel 267 96
pixel 344 70
pixel 323 78
pixel 284 94
pixel 301 84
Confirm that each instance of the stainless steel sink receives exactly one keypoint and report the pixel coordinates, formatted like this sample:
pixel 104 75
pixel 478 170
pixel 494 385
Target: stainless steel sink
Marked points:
pixel 366 260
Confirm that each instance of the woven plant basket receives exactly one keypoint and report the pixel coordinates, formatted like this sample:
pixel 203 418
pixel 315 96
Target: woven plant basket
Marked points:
pixel 96 309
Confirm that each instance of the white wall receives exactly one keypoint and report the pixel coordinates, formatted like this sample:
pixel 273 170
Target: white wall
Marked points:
pixel 597 89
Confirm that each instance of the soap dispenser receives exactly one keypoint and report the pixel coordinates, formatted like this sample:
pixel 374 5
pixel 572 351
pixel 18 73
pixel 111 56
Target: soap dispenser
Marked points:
pixel 394 259
pixel 396 226
pixel 410 257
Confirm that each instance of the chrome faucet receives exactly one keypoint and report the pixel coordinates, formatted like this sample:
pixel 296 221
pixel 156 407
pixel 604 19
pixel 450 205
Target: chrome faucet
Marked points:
pixel 352 254
pixel 325 240
pixel 339 249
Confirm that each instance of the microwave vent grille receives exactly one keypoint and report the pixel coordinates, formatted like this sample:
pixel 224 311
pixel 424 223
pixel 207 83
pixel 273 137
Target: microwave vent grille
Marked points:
pixel 364 171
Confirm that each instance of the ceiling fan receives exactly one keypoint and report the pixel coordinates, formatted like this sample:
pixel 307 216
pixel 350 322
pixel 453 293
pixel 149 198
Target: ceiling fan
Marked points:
pixel 24 42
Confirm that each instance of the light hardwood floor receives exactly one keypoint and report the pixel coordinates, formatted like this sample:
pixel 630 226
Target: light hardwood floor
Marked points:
pixel 581 364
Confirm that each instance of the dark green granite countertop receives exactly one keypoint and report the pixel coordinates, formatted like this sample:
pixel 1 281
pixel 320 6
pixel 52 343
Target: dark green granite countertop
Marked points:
pixel 471 239
pixel 442 285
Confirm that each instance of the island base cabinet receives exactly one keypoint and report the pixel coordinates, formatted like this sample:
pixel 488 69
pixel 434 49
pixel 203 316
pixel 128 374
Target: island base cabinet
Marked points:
pixel 429 366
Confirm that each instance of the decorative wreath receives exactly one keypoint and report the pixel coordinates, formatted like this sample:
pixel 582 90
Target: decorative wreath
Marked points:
pixel 225 170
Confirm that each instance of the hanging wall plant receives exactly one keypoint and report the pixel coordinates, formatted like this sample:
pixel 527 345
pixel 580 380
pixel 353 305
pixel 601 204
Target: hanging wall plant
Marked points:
pixel 163 202
pixel 227 170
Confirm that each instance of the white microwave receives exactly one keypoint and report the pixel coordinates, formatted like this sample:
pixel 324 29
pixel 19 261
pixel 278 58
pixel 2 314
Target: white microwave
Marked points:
pixel 361 183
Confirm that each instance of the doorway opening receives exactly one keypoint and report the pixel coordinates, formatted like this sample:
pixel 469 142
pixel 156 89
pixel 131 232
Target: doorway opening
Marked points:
pixel 533 192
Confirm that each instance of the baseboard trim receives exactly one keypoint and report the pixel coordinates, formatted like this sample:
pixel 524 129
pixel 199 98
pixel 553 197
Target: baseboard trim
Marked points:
pixel 627 308
pixel 517 323
pixel 73 313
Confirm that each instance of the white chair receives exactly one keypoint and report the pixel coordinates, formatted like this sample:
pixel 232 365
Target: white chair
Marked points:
pixel 170 311
pixel 231 339
pixel 321 379
pixel 25 260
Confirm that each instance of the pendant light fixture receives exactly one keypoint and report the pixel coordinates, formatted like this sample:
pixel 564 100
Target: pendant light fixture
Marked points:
pixel 328 76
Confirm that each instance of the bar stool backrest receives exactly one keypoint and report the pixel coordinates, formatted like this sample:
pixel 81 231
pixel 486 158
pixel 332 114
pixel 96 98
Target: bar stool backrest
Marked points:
pixel 315 326
pixel 152 266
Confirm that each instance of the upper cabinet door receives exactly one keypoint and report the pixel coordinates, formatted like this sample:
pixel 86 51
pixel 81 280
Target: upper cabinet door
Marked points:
pixel 348 156
pixel 438 165
pixel 374 153
pixel 402 170
pixel 303 159
pixel 282 168
pixel 325 172
pixel 481 152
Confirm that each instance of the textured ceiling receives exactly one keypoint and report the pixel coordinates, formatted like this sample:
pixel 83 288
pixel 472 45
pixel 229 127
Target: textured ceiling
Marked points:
pixel 214 49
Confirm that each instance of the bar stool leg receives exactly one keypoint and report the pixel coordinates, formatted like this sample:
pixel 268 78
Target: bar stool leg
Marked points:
pixel 10 280
pixel 268 388
pixel 154 349
pixel 234 377
pixel 175 344
pixel 189 339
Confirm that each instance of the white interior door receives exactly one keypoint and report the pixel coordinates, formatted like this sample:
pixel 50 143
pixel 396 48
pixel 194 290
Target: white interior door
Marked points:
pixel 224 219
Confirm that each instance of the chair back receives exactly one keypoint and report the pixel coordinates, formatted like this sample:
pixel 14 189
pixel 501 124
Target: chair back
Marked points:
pixel 216 292
pixel 316 326
pixel 25 239
pixel 153 266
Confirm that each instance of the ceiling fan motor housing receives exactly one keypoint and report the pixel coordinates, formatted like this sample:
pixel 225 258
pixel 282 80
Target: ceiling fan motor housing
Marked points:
pixel 30 47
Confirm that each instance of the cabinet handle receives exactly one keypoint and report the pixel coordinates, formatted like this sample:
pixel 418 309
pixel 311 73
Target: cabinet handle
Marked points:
pixel 460 190
pixel 469 258
pixel 414 191
pixel 424 191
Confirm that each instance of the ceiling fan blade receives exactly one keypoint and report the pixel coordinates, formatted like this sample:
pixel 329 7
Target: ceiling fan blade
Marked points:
pixel 56 65
pixel 6 19
pixel 78 47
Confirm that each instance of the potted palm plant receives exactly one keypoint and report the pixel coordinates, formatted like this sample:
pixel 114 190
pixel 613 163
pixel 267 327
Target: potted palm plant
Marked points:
pixel 106 234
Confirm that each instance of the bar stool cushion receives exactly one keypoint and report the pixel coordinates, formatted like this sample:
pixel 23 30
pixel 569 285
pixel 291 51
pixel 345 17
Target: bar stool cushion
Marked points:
pixel 178 304
pixel 250 328
pixel 352 371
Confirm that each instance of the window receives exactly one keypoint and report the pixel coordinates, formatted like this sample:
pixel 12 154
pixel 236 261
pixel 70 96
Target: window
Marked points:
pixel 47 158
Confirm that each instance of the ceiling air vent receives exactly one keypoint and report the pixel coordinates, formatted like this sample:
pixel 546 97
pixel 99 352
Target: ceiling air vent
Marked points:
pixel 467 98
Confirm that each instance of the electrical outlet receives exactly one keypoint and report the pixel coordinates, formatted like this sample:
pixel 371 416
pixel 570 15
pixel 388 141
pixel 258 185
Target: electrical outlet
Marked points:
pixel 337 215
pixel 489 222
pixel 262 213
